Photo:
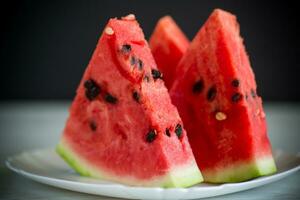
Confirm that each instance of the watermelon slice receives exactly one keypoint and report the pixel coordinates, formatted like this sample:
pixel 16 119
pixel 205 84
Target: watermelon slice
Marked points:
pixel 215 93
pixel 122 126
pixel 168 44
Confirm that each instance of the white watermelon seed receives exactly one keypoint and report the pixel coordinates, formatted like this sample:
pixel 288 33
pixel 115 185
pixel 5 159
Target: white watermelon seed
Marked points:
pixel 109 31
pixel 129 17
pixel 220 116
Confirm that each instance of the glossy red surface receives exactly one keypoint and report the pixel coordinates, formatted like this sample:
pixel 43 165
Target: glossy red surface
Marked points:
pixel 218 58
pixel 118 144
pixel 168 44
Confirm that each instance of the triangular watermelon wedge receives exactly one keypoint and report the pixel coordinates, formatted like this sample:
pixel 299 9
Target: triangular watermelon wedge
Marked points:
pixel 168 44
pixel 122 125
pixel 215 93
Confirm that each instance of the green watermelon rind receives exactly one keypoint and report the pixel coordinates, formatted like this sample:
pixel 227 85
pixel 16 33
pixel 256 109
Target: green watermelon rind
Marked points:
pixel 183 176
pixel 242 171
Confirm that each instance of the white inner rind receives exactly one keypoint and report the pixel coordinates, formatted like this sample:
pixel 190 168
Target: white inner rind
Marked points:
pixel 179 176
pixel 241 171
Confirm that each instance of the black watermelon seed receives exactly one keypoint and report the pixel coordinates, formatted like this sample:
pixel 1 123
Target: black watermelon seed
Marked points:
pixel 168 132
pixel 178 130
pixel 136 96
pixel 133 60
pixel 126 48
pixel 235 83
pixel 93 125
pixel 151 135
pixel 253 94
pixel 88 84
pixel 156 74
pixel 211 94
pixel 146 78
pixel 140 64
pixel 198 86
pixel 91 94
pixel 92 90
pixel 246 96
pixel 110 99
pixel 236 97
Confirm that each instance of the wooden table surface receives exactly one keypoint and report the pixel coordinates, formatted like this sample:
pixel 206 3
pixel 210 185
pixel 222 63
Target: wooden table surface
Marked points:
pixel 31 125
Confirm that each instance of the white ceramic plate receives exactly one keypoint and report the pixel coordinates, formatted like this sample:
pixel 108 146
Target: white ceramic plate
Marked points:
pixel 47 167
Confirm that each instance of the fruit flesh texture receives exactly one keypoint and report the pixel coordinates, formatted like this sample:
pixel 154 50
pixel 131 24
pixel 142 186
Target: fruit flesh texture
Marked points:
pixel 217 57
pixel 118 150
pixel 168 44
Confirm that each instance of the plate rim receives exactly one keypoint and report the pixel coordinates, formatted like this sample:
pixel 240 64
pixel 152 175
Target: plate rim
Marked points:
pixel 71 184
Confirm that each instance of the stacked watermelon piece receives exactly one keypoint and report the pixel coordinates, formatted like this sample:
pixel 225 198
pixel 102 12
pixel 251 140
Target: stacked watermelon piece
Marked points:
pixel 124 125
pixel 168 44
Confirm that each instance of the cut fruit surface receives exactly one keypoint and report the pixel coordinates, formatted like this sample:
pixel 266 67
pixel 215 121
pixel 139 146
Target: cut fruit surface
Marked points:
pixel 215 93
pixel 181 176
pixel 122 125
pixel 168 44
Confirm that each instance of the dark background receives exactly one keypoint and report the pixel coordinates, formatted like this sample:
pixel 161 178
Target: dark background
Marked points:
pixel 45 46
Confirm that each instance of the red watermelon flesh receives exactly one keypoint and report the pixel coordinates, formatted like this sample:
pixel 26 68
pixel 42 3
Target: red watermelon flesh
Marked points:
pixel 168 44
pixel 215 93
pixel 122 125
